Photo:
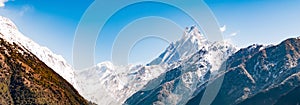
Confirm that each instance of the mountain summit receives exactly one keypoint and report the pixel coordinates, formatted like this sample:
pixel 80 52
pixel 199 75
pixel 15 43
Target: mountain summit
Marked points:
pixel 192 41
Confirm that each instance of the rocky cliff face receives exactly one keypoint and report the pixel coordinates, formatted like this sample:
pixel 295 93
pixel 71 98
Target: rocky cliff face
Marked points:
pixel 24 79
pixel 285 93
pixel 259 75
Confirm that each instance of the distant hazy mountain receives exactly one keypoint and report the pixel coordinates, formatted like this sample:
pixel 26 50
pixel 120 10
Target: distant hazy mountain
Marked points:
pixel 261 75
pixel 106 83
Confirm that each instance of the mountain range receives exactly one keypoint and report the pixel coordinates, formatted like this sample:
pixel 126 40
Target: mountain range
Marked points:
pixel 127 80
pixel 184 73
pixel 260 75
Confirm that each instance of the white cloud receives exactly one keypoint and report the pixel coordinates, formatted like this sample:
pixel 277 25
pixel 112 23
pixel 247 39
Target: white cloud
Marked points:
pixel 223 29
pixel 235 33
pixel 2 3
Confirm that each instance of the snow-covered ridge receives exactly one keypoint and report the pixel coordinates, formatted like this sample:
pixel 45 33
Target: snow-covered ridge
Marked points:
pixel 106 83
pixel 11 34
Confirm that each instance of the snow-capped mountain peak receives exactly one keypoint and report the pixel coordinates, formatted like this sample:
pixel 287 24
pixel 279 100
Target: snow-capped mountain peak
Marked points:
pixel 194 35
pixel 10 33
pixel 192 41
pixel 192 31
pixel 190 67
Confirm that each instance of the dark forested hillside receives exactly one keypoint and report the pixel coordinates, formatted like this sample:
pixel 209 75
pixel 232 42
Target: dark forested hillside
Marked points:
pixel 24 79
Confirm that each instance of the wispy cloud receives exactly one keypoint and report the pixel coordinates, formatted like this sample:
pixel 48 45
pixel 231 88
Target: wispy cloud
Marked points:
pixel 17 12
pixel 223 28
pixel 2 3
pixel 24 9
pixel 234 33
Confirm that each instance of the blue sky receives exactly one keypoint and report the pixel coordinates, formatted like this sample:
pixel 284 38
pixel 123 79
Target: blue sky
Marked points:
pixel 53 24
